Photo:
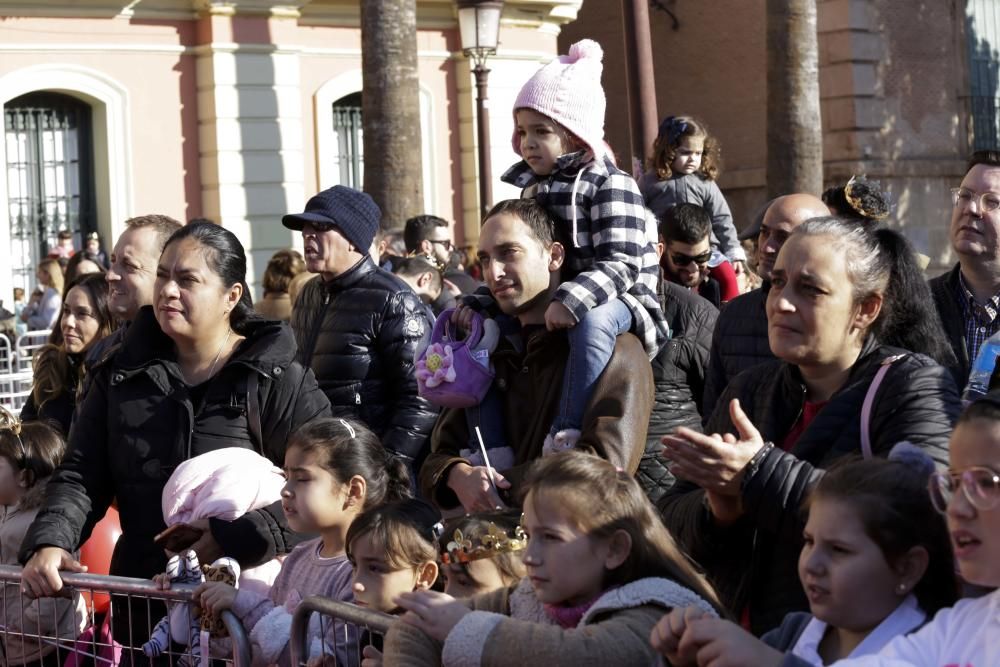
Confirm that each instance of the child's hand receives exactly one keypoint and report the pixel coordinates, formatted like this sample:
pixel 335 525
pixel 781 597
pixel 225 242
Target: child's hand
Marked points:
pixel 666 635
pixel 373 657
pixel 558 316
pixel 432 612
pixel 162 581
pixel 724 644
pixel 214 597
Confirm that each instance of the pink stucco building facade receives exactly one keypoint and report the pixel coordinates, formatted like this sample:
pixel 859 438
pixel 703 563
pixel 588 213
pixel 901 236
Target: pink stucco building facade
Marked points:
pixel 234 110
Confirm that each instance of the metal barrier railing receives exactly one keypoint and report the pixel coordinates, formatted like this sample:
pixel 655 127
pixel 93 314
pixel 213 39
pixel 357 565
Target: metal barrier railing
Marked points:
pixel 359 627
pixel 133 595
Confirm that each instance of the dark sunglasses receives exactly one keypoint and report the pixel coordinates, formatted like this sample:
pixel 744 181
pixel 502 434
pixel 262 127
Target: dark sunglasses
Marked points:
pixel 320 226
pixel 448 245
pixel 680 259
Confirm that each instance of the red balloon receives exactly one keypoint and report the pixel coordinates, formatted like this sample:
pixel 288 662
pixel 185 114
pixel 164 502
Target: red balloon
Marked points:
pixel 96 555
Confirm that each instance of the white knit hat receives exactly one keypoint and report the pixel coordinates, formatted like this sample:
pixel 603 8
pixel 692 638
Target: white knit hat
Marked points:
pixel 568 90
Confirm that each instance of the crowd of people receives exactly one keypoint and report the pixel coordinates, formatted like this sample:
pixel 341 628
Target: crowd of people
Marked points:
pixel 666 440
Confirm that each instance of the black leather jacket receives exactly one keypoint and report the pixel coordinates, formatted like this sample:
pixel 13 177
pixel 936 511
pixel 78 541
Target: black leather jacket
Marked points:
pixel 358 333
pixel 738 343
pixel 138 422
pixel 679 379
pixel 753 561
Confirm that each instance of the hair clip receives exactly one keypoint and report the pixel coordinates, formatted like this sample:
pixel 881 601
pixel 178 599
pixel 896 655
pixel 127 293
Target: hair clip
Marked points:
pixel 438 530
pixel 673 128
pixel 854 198
pixel 349 428
pixel 11 423
pixel 495 541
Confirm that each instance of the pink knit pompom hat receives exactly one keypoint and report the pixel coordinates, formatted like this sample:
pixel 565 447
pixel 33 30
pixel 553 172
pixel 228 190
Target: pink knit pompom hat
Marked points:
pixel 568 90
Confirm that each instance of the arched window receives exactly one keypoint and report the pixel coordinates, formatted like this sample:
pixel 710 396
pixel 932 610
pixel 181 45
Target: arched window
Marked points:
pixel 347 129
pixel 50 179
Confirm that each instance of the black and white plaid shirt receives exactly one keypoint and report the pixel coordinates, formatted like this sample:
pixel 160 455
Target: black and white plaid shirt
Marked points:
pixel 601 216
pixel 981 320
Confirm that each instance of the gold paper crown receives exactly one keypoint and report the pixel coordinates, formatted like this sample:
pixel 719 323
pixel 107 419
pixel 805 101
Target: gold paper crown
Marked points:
pixel 493 542
pixel 859 205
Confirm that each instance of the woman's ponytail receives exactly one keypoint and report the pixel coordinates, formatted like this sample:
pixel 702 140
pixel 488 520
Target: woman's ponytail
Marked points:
pixel 909 318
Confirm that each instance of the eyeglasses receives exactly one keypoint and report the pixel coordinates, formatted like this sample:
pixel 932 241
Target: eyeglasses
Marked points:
pixel 680 259
pixel 448 245
pixel 988 201
pixel 980 485
pixel 8 422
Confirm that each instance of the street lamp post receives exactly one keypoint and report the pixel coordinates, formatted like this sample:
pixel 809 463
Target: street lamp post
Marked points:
pixel 479 27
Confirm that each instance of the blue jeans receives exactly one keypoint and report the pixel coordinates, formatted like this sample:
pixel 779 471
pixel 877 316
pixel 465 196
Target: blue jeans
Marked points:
pixel 591 343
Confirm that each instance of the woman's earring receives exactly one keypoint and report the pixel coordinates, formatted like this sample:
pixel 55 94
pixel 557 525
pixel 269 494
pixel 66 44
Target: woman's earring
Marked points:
pixel 901 588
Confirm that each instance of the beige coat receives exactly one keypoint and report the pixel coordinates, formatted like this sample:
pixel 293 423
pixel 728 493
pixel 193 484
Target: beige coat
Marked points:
pixel 510 627
pixel 49 617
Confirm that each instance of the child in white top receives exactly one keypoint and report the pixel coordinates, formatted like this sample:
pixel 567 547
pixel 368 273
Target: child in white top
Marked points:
pixel 875 565
pixel 968 634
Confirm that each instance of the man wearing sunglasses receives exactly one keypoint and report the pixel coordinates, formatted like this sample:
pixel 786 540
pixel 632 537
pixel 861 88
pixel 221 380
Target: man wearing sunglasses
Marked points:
pixel 685 233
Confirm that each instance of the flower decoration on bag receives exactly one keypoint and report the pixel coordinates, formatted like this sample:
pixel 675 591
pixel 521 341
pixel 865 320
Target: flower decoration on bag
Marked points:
pixel 436 366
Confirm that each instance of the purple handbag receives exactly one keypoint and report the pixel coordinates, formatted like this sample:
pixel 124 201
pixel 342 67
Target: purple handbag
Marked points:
pixel 454 373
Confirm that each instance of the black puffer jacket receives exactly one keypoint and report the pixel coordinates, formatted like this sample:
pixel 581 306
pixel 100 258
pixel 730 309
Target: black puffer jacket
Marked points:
pixel 753 561
pixel 739 342
pixel 679 379
pixel 358 333
pixel 137 423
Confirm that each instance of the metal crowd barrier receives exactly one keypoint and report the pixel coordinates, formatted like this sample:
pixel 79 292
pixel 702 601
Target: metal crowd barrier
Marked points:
pixel 137 597
pixel 342 622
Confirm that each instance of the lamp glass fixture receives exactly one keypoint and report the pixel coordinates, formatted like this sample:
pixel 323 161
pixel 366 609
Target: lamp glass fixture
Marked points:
pixel 479 27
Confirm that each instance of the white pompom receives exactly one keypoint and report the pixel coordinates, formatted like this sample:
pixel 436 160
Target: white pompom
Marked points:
pixel 586 48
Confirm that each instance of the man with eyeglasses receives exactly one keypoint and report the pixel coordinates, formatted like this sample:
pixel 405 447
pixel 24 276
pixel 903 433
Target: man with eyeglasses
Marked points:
pixel 968 296
pixel 358 327
pixel 429 237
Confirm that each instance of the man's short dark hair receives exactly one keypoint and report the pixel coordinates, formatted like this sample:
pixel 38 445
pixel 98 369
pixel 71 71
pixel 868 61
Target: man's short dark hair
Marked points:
pixel 686 223
pixel 990 158
pixel 419 228
pixel 412 267
pixel 163 225
pixel 532 214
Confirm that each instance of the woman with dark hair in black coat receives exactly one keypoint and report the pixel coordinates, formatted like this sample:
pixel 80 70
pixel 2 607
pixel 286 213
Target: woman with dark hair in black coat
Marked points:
pixel 858 343
pixel 196 372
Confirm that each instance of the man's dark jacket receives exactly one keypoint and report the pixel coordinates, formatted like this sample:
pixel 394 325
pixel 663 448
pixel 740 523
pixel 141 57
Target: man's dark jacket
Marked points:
pixel 358 333
pixel 679 379
pixel 945 289
pixel 138 422
pixel 753 561
pixel 739 342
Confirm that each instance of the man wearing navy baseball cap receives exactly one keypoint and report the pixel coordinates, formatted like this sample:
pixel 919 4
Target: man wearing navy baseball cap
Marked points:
pixel 357 325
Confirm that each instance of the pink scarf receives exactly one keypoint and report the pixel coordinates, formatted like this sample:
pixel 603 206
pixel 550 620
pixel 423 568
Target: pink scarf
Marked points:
pixel 569 617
